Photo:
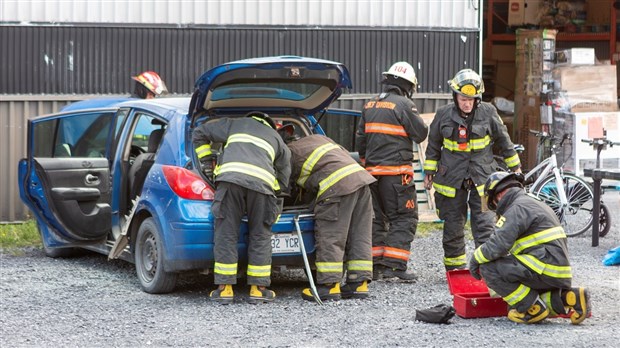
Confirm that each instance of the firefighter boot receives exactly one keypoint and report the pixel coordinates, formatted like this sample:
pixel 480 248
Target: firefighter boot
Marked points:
pixel 326 292
pixel 400 274
pixel 223 294
pixel 538 311
pixel 577 299
pixel 377 272
pixel 355 290
pixel 260 294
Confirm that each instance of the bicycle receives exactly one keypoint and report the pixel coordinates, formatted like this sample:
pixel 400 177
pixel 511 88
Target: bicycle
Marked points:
pixel 570 197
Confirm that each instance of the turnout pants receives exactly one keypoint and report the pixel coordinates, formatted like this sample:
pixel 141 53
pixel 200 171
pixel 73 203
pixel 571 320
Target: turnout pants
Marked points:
pixel 520 286
pixel 454 213
pixel 230 204
pixel 343 232
pixel 396 220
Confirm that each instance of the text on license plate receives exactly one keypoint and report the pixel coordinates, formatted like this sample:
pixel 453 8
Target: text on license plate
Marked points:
pixel 284 243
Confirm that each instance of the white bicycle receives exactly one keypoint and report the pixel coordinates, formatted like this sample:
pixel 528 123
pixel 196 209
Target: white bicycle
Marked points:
pixel 570 197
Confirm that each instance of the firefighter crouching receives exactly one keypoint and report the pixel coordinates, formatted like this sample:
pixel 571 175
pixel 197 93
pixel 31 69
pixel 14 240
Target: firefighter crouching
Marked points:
pixel 252 169
pixel 342 213
pixel 526 259
pixel 459 158
pixel 389 125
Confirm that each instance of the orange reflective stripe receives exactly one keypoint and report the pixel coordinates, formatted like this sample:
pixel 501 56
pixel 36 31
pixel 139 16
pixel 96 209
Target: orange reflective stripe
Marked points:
pixel 390 170
pixel 396 253
pixel 385 128
pixel 377 251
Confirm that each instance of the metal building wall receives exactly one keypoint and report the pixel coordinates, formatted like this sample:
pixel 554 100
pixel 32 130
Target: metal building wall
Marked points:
pixel 98 59
pixel 372 13
pixel 15 110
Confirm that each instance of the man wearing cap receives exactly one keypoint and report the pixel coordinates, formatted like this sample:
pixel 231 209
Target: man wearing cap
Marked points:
pixel 459 158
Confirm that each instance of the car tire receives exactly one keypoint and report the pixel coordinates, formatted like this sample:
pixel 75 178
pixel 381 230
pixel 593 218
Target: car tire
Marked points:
pixel 149 260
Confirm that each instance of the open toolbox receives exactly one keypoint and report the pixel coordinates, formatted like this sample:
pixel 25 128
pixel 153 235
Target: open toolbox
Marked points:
pixel 472 298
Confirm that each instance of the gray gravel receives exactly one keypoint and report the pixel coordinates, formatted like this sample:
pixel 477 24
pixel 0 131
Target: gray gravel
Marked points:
pixel 87 301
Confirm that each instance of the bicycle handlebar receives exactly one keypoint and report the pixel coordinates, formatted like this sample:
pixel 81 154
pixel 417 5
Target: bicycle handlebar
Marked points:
pixel 600 142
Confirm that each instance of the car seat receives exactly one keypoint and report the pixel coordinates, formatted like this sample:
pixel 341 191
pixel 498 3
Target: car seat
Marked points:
pixel 142 164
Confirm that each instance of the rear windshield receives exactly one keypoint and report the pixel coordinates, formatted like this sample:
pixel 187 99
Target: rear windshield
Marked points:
pixel 280 90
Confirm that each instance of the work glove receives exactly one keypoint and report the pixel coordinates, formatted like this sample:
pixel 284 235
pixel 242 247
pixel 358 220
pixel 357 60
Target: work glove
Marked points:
pixel 439 314
pixel 474 268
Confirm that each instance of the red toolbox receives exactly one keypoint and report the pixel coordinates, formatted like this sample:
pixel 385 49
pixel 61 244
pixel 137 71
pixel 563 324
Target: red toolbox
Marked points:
pixel 472 298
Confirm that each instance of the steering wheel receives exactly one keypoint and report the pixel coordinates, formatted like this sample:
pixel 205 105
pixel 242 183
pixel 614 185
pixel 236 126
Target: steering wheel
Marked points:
pixel 134 152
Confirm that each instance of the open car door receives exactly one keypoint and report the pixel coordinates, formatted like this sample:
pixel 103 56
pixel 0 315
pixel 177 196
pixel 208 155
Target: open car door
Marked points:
pixel 65 179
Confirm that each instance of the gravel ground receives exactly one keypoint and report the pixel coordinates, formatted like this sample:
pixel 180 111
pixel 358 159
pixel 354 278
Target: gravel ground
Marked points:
pixel 87 301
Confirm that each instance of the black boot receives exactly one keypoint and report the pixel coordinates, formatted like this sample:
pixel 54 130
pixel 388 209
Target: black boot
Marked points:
pixel 355 290
pixel 400 274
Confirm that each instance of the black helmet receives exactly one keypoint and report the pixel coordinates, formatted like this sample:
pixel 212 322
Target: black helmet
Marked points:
pixel 498 182
pixel 262 117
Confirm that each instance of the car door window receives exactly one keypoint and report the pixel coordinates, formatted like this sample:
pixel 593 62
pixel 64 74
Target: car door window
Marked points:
pixel 82 135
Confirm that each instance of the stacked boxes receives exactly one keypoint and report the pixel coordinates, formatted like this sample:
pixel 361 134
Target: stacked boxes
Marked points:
pixel 535 54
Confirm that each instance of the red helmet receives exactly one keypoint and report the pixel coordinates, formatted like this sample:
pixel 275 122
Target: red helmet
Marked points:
pixel 152 82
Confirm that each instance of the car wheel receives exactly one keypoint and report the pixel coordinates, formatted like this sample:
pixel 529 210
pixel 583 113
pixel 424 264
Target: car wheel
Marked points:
pixel 149 258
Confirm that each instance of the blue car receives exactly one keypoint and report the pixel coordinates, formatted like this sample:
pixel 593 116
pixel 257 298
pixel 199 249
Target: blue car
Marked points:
pixel 120 176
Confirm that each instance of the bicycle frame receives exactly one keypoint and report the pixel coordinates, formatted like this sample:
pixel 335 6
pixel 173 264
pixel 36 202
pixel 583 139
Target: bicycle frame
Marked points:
pixel 550 165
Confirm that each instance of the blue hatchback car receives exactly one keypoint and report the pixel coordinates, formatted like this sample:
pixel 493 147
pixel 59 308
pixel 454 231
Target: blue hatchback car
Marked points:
pixel 119 176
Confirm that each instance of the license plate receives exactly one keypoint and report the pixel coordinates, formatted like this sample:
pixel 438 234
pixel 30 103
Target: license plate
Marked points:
pixel 284 243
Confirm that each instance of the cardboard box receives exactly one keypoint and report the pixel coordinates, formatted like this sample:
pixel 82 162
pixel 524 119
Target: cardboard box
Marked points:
pixel 588 88
pixel 472 298
pixel 575 56
pixel 523 12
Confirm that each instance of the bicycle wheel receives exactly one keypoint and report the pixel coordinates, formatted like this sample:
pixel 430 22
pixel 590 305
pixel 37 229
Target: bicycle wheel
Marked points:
pixel 576 218
pixel 604 221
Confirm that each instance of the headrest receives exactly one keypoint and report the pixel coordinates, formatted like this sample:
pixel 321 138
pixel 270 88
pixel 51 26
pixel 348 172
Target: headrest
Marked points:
pixel 155 139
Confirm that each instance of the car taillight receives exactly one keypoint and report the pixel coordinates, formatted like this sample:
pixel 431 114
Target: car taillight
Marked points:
pixel 187 184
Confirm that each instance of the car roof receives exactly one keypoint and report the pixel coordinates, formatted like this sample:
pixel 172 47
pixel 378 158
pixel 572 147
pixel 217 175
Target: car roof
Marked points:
pixel 160 106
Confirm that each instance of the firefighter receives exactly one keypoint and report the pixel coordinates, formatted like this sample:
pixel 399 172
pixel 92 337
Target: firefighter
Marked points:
pixel 342 213
pixel 526 259
pixel 459 158
pixel 253 168
pixel 389 125
pixel 148 85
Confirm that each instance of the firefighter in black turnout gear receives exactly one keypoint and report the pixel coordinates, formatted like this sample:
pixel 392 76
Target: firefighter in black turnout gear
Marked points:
pixel 342 213
pixel 526 259
pixel 253 167
pixel 459 158
pixel 389 125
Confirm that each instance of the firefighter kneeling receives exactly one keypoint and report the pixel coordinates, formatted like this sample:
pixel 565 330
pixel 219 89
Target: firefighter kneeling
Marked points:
pixel 526 258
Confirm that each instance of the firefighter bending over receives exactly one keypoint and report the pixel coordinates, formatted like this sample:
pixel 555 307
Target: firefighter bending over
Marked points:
pixel 459 158
pixel 253 167
pixel 389 125
pixel 526 259
pixel 342 213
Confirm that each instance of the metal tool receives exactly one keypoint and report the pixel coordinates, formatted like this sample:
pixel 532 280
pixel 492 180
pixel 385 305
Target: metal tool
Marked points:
pixel 315 293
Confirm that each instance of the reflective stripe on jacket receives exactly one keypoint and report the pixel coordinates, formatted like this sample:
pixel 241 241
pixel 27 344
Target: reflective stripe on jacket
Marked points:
pixel 528 229
pixel 389 125
pixel 323 167
pixel 452 159
pixel 254 155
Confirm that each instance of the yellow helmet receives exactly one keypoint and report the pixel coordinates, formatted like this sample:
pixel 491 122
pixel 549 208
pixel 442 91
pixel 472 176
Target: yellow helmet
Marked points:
pixel 467 83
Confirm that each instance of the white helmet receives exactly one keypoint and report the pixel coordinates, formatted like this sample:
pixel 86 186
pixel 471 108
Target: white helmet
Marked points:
pixel 403 70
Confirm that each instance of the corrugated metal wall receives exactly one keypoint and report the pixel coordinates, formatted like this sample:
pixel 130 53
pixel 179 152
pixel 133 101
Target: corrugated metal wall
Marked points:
pixel 15 110
pixel 100 59
pixel 381 13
